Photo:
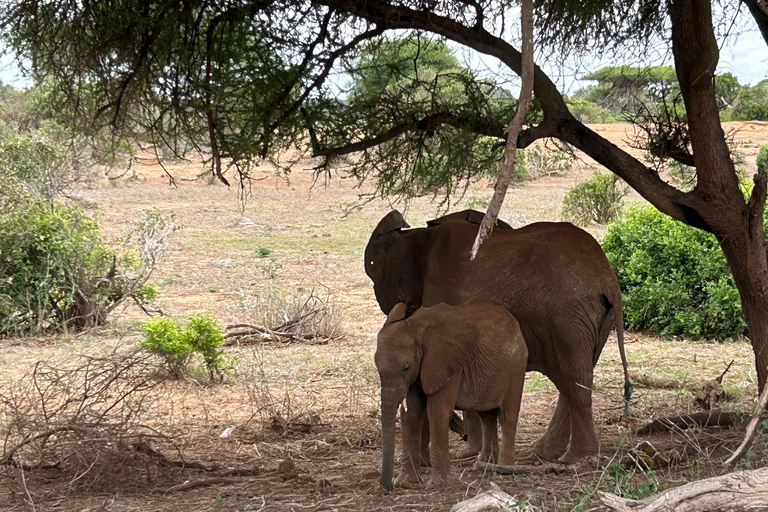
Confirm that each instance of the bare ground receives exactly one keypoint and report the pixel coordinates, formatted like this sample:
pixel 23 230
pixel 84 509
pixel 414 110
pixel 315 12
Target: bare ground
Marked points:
pixel 317 405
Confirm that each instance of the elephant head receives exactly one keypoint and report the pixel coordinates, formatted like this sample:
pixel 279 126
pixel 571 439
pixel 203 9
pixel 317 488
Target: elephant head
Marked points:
pixel 428 346
pixel 392 262
pixel 394 257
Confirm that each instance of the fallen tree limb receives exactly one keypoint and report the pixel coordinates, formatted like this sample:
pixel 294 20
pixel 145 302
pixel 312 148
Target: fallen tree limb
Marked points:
pixel 716 418
pixel 650 382
pixel 492 499
pixel 739 491
pixel 524 469
pixel 192 484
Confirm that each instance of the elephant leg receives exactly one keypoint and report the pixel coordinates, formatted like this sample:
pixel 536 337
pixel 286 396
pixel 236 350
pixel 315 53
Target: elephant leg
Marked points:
pixel 509 414
pixel 424 449
pixel 490 452
pixel 584 441
pixel 473 427
pixel 554 442
pixel 439 409
pixel 412 420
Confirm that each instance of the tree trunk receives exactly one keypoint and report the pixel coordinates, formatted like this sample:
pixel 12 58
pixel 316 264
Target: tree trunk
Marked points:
pixel 737 224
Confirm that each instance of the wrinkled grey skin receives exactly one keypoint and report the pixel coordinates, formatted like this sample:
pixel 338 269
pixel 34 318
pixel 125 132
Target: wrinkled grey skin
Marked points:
pixel 553 277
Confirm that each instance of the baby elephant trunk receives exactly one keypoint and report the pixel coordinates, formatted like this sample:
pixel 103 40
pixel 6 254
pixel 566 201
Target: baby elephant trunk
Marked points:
pixel 390 400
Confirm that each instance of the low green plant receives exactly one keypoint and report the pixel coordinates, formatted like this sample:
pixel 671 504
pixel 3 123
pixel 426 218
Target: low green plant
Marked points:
pixel 270 268
pixel 163 336
pixel 205 335
pixel 598 199
pixel 263 252
pixel 762 157
pixel 675 278
pixel 622 482
pixel 176 341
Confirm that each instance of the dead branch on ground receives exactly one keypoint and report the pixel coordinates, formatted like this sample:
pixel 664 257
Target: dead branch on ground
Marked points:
pixel 82 417
pixel 716 418
pixel 739 491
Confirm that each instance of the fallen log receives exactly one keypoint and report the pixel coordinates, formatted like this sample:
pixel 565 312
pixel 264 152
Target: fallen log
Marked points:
pixel 491 500
pixel 716 418
pixel 739 491
pixel 524 469
pixel 651 382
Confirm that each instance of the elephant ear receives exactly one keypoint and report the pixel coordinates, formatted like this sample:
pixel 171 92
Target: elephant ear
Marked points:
pixel 399 312
pixel 448 342
pixel 392 221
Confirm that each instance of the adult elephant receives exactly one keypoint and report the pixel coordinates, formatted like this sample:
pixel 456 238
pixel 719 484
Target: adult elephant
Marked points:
pixel 553 277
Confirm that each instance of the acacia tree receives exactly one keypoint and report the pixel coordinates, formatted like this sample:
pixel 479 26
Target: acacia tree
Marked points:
pixel 246 79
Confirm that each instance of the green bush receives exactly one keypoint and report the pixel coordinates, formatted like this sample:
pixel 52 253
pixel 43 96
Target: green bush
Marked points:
pixel 57 274
pixel 176 341
pixel 674 277
pixel 762 157
pixel 164 337
pixel 205 335
pixel 52 262
pixel 597 199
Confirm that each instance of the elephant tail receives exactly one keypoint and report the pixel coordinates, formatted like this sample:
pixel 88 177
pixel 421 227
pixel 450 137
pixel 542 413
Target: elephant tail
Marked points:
pixel 619 321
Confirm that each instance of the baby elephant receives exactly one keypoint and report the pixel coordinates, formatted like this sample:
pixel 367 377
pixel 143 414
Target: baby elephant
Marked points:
pixel 469 357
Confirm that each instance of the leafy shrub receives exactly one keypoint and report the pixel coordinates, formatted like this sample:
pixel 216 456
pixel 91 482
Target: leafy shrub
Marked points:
pixel 263 252
pixel 56 273
pixel 164 337
pixel 762 157
pixel 46 161
pixel 205 335
pixel 176 341
pixel 674 277
pixel 597 199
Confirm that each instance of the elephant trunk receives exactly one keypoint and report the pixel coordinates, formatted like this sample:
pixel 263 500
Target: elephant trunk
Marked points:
pixel 390 400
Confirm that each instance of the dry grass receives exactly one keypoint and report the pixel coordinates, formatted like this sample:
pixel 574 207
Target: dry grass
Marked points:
pixel 318 404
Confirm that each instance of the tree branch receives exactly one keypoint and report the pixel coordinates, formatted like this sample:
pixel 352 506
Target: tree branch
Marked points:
pixel 513 129
pixel 558 121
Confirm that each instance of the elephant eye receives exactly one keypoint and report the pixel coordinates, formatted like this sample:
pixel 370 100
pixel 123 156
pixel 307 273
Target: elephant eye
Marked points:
pixel 406 367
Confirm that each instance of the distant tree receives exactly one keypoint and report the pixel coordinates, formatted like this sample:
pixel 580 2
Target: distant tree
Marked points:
pixel 627 88
pixel 751 103
pixel 726 89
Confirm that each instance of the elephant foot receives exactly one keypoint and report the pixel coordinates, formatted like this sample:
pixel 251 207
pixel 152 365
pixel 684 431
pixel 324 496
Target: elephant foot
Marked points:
pixel 407 479
pixel 574 456
pixel 547 450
